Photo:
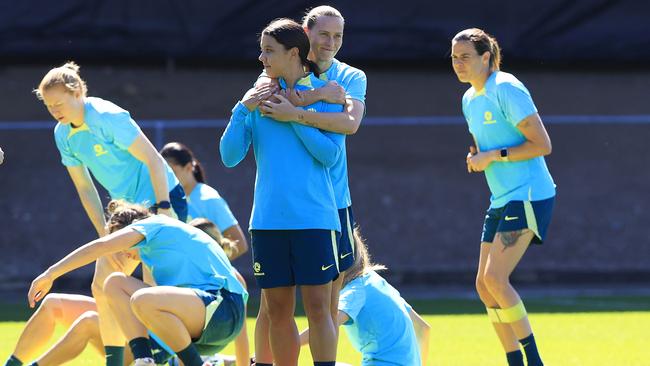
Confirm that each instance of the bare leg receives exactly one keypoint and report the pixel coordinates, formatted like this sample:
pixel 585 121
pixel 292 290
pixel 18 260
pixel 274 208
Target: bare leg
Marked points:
pixel 334 305
pixel 108 324
pixel 62 309
pixel 263 352
pixel 508 339
pixel 118 289
pixel 283 332
pixel 175 314
pixel 322 335
pixel 83 331
pixel 507 250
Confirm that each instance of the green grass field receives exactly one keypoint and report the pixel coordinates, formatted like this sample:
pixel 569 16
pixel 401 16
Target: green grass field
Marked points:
pixel 590 331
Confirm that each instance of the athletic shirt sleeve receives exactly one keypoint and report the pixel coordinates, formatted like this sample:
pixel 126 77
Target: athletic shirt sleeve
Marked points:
pixel 67 157
pixel 120 128
pixel 515 102
pixel 237 137
pixel 148 227
pixel 324 146
pixel 224 218
pixel 357 87
pixel 352 299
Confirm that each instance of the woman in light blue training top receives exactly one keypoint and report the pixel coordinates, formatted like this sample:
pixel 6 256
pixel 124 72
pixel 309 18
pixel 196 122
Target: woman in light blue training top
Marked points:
pixel 197 305
pixel 380 324
pixel 346 85
pixel 511 143
pixel 294 223
pixel 203 200
pixel 97 135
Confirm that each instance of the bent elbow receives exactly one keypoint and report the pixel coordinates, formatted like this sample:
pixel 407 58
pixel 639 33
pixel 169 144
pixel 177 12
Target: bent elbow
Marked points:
pixel 353 126
pixel 548 148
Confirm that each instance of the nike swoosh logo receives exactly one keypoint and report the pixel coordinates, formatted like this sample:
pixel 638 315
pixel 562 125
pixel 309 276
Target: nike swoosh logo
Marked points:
pixel 345 255
pixel 510 218
pixel 324 268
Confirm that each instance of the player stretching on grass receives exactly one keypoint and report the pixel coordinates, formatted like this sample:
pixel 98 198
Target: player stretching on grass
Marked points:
pixel 95 134
pixel 197 305
pixel 294 222
pixel 346 85
pixel 510 144
pixel 78 314
pixel 379 322
pixel 203 200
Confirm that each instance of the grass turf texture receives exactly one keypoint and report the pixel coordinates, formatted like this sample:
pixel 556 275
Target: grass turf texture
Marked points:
pixel 569 330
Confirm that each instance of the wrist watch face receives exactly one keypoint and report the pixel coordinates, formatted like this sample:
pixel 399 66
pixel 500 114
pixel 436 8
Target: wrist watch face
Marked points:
pixel 504 153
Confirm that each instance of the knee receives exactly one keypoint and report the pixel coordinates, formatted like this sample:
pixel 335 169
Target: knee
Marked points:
pixel 495 282
pixel 317 309
pixel 142 302
pixel 113 285
pixel 51 306
pixel 88 322
pixel 278 311
pixel 481 289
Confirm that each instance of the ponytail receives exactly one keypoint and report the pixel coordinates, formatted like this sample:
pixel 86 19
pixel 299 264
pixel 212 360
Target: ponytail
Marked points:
pixel 182 155
pixel 197 171
pixel 312 66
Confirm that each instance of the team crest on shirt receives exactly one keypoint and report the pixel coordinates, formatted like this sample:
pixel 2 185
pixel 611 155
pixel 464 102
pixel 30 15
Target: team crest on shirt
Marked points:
pixel 99 150
pixel 488 118
pixel 257 268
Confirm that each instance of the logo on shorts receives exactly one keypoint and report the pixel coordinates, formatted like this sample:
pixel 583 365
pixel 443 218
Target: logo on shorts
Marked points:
pixel 257 267
pixel 488 120
pixel 510 218
pixel 345 255
pixel 99 150
pixel 325 268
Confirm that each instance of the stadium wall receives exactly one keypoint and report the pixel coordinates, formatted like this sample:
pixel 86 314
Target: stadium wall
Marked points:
pixel 149 31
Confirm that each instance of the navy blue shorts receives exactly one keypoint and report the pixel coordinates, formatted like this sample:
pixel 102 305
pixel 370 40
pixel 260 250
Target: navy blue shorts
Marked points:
pixel 346 242
pixel 224 318
pixel 179 203
pixel 517 215
pixel 224 313
pixel 294 257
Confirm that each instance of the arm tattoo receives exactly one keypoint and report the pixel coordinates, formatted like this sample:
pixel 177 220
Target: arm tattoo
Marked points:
pixel 509 238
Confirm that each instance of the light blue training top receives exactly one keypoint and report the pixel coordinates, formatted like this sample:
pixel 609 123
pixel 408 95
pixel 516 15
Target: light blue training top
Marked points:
pixel 379 326
pixel 493 115
pixel 293 188
pixel 181 255
pixel 101 144
pixel 354 82
pixel 204 201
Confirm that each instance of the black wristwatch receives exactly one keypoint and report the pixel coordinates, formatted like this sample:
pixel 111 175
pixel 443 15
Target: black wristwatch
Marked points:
pixel 165 205
pixel 504 154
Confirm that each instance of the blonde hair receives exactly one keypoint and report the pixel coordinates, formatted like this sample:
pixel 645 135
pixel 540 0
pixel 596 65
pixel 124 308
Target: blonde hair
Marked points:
pixel 362 261
pixel 66 76
pixel 209 227
pixel 482 42
pixel 122 214
pixel 309 20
